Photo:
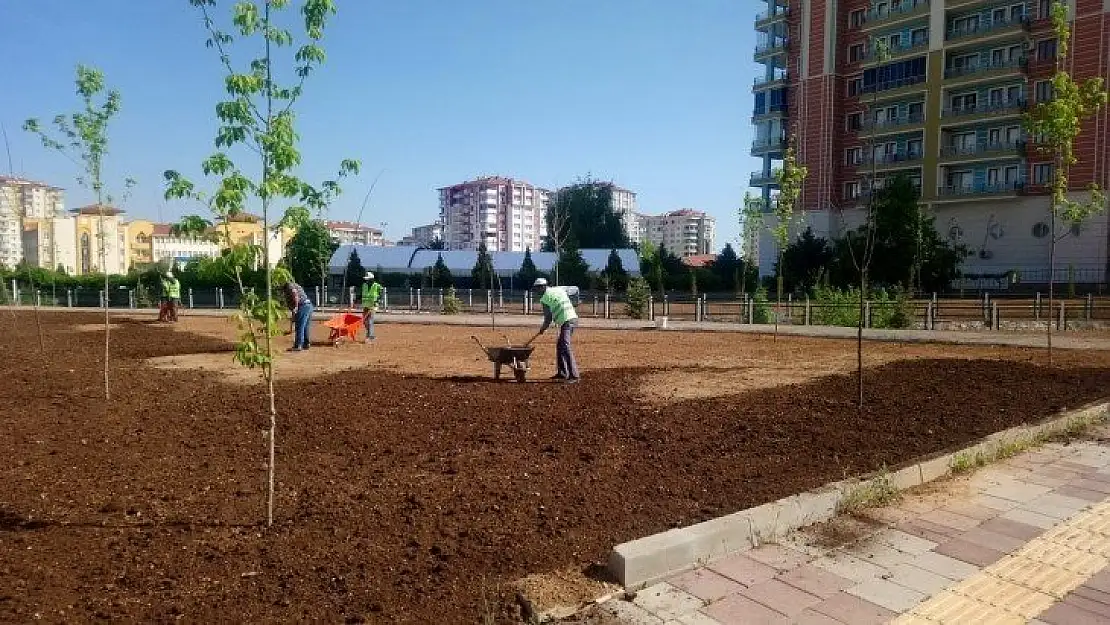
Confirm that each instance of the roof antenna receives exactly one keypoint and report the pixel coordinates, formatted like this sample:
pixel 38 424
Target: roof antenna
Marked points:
pixel 8 147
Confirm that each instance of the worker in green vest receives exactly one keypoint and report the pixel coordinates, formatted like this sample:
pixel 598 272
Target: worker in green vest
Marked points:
pixel 371 297
pixel 559 309
pixel 171 297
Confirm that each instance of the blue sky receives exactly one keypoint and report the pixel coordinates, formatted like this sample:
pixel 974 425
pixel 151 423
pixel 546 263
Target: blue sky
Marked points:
pixel 652 94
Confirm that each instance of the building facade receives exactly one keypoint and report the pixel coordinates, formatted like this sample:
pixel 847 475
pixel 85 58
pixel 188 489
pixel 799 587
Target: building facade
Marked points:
pixel 101 237
pixel 934 90
pixel 423 236
pixel 683 232
pixel 175 251
pixel 507 215
pixel 25 206
pixel 350 233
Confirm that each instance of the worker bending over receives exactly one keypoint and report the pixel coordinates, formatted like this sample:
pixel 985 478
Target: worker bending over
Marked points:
pixel 558 309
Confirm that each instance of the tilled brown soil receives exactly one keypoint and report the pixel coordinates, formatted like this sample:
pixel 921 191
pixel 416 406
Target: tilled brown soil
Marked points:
pixel 407 499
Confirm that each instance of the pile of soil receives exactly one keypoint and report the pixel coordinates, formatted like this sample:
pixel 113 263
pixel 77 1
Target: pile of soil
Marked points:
pixel 406 499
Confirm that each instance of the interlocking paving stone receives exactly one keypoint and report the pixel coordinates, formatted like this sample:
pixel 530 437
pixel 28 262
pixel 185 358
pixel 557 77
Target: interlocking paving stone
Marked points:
pixel 887 594
pixel 1092 484
pixel 1067 614
pixel 969 552
pixel 667 601
pixel 693 618
pixel 1090 605
pixel 629 613
pixel 1081 493
pixel 1092 594
pixel 995 503
pixel 779 557
pixel 743 569
pixel 944 566
pixel 927 531
pixel 992 540
pixel 919 579
pixel 816 581
pixel 781 597
pixel 740 610
pixel 850 567
pixel 1021 492
pixel 1100 581
pixel 971 510
pixel 851 609
pixel 878 554
pixel 904 542
pixel 706 584
pixel 950 519
pixel 810 617
pixel 1008 527
pixel 1058 506
pixel 1031 517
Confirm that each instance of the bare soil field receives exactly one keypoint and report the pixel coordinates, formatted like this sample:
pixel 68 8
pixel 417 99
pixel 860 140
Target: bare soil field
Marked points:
pixel 412 489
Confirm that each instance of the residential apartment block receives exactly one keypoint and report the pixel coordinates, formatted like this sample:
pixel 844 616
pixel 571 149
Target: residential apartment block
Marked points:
pixel 423 236
pixel 935 90
pixel 683 232
pixel 350 233
pixel 29 205
pixel 507 215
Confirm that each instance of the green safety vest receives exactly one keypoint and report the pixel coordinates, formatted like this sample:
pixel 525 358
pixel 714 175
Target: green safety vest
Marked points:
pixel 371 294
pixel 172 288
pixel 557 300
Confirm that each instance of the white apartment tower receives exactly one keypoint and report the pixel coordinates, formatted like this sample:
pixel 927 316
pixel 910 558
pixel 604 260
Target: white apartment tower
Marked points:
pixel 507 215
pixel 683 232
pixel 26 205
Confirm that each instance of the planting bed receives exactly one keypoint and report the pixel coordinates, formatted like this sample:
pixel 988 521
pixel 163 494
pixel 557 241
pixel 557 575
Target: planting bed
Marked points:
pixel 415 499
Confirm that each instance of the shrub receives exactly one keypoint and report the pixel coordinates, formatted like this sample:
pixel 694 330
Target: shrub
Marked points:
pixel 452 305
pixel 638 295
pixel 761 307
pixel 836 307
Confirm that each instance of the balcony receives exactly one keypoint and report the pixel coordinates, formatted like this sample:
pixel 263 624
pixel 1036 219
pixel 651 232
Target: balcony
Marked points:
pixel 762 179
pixel 898 158
pixel 764 145
pixel 894 88
pixel 768 49
pixel 771 15
pixel 987 70
pixel 774 110
pixel 980 190
pixel 987 28
pixel 762 82
pixel 1003 108
pixel 907 10
pixel 951 153
pixel 900 123
pixel 893 53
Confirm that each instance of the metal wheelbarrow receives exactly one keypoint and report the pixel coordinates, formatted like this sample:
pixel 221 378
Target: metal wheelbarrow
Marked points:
pixel 515 356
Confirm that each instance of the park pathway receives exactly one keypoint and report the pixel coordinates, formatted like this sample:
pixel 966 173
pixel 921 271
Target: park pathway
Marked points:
pixel 1026 540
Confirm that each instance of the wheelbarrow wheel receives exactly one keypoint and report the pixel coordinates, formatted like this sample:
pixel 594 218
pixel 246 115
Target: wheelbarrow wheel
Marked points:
pixel 521 374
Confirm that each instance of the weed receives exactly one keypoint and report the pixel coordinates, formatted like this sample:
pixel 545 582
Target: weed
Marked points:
pixel 876 492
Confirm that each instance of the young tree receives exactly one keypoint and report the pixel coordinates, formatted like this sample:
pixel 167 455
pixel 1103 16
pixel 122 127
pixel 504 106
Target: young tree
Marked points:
pixel 355 272
pixel 441 275
pixel 528 271
pixel 729 269
pixel 258 116
pixel 790 178
pixel 558 229
pixel 585 211
pixel 614 272
pixel 751 224
pixel 575 271
pixel 1055 125
pixel 806 260
pixel 482 273
pixel 83 138
pixel 309 251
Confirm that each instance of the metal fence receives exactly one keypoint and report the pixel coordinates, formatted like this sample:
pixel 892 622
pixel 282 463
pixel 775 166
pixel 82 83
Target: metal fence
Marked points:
pixel 987 310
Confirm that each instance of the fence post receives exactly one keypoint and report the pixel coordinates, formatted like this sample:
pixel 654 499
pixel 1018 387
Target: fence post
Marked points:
pixel 351 297
pixel 524 303
pixel 190 297
pixel 38 298
pixel 103 299
pixel 412 302
pixel 929 315
pixel 666 305
pixel 489 300
pixel 220 297
pixel 1062 323
pixel 500 299
pixel 441 299
pixel 595 305
pixel 1037 307
pixel 867 314
pixel 131 298
pixel 15 290
pixel 325 289
pixel 606 305
pixel 651 307
pixel 995 320
pixel 807 319
pixel 790 308
pixel 69 298
pixel 385 298
pixel 986 306
pixel 419 300
pixel 470 298
pixel 1090 306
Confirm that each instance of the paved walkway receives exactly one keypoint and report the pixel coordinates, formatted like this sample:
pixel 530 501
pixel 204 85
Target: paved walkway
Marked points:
pixel 1069 340
pixel 1023 541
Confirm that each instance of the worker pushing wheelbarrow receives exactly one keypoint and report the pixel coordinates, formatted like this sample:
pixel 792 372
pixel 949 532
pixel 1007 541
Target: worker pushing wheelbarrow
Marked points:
pixel 513 356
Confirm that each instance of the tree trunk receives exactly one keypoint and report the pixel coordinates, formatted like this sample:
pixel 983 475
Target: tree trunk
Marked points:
pixel 1051 280
pixel 859 334
pixel 107 294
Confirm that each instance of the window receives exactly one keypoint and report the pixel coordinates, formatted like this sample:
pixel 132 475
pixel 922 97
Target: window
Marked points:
pixel 1042 173
pixel 894 41
pixel 964 102
pixel 855 53
pixel 919 36
pixel 965 25
pixel 1017 12
pixel 998 57
pixel 917 111
pixel 993 176
pixel 997 95
pixel 855 86
pixel 1015 53
pixel 964 141
pixel 998 15
pixel 853 156
pixel 1046 50
pixel 1011 175
pixel 1013 94
pixel 885 115
pixel 882 9
pixel 1044 10
pixel 856 18
pixel 854 121
pixel 914 148
pixel 959 179
pixel 994 137
pixel 1043 90
pixel 1013 134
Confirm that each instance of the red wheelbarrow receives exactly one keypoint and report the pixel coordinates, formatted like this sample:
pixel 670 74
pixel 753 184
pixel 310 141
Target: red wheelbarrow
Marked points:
pixel 515 356
pixel 344 325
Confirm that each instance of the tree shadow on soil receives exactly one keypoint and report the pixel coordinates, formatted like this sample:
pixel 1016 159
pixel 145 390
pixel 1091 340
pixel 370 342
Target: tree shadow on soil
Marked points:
pixel 11 521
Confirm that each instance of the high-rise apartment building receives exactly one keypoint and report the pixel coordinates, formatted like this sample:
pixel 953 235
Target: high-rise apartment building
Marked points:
pixel 350 233
pixel 935 90
pixel 423 236
pixel 507 215
pixel 26 205
pixel 683 232
pixel 622 202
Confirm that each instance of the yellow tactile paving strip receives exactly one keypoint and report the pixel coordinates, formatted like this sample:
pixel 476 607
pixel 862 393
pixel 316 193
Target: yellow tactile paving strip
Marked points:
pixel 1027 582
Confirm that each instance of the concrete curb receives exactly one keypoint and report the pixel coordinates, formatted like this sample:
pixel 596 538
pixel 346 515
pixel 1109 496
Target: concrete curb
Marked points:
pixel 647 560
